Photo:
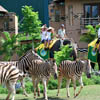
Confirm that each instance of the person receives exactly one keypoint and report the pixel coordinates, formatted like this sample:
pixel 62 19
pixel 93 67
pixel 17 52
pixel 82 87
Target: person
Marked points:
pixel 48 36
pixel 61 32
pixel 43 33
pixel 98 40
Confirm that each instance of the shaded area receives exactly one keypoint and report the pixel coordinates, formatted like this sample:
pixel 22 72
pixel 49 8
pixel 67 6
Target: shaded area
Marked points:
pixel 51 98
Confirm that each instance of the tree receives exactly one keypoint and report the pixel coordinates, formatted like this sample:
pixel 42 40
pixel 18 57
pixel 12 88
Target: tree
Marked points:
pixel 8 45
pixel 90 35
pixel 31 28
pixel 31 23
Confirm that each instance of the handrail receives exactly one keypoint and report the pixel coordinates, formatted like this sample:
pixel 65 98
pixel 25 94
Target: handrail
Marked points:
pixel 89 21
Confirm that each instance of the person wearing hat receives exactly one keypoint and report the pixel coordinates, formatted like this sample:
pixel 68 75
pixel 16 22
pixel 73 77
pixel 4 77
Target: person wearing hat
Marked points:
pixel 98 40
pixel 43 33
pixel 48 36
pixel 61 32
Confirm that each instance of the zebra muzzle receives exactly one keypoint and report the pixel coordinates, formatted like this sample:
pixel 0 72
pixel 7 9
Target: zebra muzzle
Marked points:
pixel 55 76
pixel 89 75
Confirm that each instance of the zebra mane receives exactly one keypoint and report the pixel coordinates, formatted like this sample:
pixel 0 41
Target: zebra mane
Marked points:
pixel 37 55
pixel 25 54
pixel 34 54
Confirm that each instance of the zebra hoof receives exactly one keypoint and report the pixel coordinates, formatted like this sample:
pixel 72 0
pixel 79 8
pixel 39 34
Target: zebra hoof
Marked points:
pixel 34 97
pixel 75 95
pixel 57 94
pixel 68 96
pixel 38 94
pixel 45 99
pixel 26 95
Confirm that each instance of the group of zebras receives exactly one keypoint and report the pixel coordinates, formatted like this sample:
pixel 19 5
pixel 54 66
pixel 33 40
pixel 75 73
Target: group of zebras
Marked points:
pixel 33 65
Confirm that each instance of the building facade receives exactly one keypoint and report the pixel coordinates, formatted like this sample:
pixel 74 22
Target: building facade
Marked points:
pixel 8 21
pixel 75 14
pixel 39 5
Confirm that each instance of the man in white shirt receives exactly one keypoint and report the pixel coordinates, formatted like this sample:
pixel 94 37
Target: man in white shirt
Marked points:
pixel 99 32
pixel 61 32
pixel 98 41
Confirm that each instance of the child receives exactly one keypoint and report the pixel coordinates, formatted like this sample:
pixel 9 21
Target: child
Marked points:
pixel 48 37
pixel 43 33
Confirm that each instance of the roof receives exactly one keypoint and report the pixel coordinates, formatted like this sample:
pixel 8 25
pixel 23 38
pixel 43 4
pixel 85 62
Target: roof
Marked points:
pixel 3 9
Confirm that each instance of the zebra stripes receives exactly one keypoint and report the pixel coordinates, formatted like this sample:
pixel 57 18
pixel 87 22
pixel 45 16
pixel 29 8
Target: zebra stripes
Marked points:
pixel 38 69
pixel 41 71
pixel 23 64
pixel 26 65
pixel 72 70
pixel 9 75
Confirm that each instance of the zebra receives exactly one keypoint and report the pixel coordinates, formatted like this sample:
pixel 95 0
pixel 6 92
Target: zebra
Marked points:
pixel 72 70
pixel 42 71
pixel 9 75
pixel 23 64
pixel 31 60
pixel 21 78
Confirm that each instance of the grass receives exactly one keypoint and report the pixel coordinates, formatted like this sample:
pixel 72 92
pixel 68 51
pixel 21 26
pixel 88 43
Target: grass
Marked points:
pixel 91 92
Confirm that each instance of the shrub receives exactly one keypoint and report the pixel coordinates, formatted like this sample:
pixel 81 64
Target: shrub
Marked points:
pixel 64 54
pixel 53 84
pixel 87 81
pixel 29 87
pixel 3 90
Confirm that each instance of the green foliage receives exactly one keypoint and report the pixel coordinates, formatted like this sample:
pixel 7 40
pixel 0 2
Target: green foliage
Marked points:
pixel 53 84
pixel 31 28
pixel 96 79
pixel 31 23
pixel 8 45
pixel 87 81
pixel 64 54
pixel 3 90
pixel 29 87
pixel 90 35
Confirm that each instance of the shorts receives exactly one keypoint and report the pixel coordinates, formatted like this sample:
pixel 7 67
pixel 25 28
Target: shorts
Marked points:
pixel 43 41
pixel 48 39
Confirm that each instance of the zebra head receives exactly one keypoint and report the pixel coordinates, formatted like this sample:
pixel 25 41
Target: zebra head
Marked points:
pixel 87 68
pixel 53 68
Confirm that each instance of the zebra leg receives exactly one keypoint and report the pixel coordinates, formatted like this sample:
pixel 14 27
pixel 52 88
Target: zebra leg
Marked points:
pixel 46 84
pixel 8 95
pixel 38 89
pixel 74 85
pixel 23 86
pixel 81 83
pixel 59 84
pixel 11 89
pixel 34 85
pixel 67 87
pixel 45 88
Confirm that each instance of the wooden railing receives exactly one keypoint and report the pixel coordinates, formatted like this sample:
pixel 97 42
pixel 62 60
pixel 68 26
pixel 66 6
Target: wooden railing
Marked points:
pixel 89 21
